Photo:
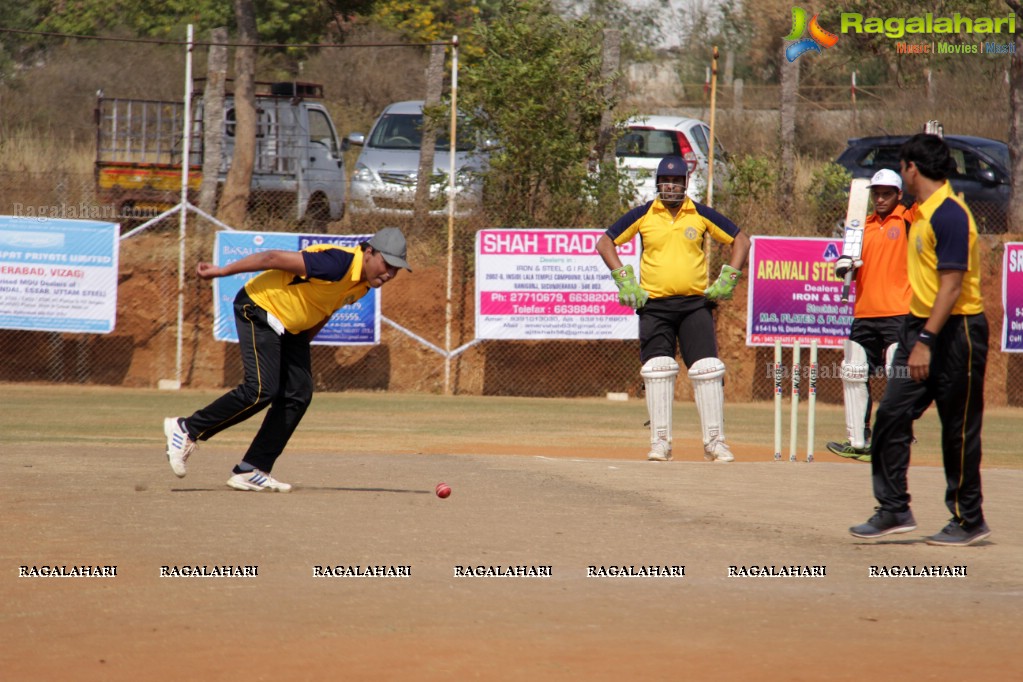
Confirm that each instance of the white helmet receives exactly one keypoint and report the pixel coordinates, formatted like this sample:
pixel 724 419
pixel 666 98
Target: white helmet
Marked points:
pixel 886 178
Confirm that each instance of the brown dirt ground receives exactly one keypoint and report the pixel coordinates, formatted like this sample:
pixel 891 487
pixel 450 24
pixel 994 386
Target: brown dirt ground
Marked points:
pixel 116 503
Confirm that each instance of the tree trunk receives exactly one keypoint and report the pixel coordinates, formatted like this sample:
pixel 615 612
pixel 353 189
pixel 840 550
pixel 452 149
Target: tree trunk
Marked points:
pixel 434 84
pixel 213 119
pixel 1016 124
pixel 235 200
pixel 789 94
pixel 609 65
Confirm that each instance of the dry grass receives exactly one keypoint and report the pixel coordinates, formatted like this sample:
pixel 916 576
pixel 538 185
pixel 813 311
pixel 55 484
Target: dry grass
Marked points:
pixel 402 422
pixel 27 152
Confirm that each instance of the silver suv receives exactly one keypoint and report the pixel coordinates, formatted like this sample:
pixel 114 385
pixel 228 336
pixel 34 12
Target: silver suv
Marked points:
pixel 386 172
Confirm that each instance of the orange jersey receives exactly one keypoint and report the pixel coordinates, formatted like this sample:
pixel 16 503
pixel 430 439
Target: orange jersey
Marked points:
pixel 882 282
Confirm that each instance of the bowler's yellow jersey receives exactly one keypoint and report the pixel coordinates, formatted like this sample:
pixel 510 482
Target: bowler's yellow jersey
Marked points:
pixel 301 303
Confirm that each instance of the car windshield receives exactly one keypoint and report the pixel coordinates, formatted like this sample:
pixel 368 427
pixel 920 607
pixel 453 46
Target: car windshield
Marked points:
pixel 405 131
pixel 999 152
pixel 648 143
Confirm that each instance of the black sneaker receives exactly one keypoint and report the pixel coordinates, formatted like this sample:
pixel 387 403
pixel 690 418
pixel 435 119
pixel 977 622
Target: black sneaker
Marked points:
pixel 885 523
pixel 954 535
pixel 847 450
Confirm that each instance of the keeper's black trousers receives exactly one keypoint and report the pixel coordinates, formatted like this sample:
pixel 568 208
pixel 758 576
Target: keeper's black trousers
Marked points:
pixel 956 386
pixel 278 373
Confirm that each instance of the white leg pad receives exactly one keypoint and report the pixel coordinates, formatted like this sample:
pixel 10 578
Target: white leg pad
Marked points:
pixel 855 375
pixel 659 378
pixel 709 392
pixel 889 359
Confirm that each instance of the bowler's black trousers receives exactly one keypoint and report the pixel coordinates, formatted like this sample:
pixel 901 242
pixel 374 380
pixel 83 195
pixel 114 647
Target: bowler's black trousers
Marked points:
pixel 278 373
pixel 956 386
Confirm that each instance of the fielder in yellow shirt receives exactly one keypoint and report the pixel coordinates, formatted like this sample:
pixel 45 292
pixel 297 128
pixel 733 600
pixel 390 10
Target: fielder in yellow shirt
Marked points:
pixel 278 313
pixel 941 357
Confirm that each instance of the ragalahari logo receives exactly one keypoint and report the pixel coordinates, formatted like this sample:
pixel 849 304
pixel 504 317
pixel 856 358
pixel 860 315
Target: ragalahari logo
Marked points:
pixel 819 38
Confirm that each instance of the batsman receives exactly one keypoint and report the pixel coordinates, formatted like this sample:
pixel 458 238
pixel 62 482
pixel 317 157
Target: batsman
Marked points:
pixel 674 302
pixel 878 264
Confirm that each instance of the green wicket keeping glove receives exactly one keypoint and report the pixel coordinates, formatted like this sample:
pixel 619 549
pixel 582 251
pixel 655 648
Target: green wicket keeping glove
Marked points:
pixel 724 286
pixel 629 291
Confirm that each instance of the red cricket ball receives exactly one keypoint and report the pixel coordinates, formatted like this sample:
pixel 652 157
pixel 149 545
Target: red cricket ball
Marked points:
pixel 443 490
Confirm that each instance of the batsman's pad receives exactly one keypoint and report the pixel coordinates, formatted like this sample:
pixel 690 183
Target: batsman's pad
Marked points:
pixel 889 359
pixel 709 391
pixel 659 377
pixel 855 375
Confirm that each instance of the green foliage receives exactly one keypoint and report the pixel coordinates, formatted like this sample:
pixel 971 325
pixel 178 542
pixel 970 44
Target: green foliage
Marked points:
pixel 608 190
pixel 830 194
pixel 751 178
pixel 538 90
pixel 431 21
pixel 278 21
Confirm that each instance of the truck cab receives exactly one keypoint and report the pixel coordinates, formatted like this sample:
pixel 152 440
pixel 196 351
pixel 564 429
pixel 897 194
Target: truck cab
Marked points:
pixel 298 169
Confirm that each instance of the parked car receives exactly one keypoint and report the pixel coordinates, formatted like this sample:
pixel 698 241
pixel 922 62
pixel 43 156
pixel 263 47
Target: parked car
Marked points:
pixel 387 170
pixel 982 171
pixel 651 138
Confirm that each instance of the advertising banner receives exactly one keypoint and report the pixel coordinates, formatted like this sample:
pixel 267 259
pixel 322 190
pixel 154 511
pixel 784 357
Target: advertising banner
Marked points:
pixel 58 275
pixel 1012 298
pixel 356 324
pixel 794 294
pixel 541 284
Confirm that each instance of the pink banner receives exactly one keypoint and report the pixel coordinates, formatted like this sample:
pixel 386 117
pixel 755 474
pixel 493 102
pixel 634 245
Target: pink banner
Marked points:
pixel 794 294
pixel 551 303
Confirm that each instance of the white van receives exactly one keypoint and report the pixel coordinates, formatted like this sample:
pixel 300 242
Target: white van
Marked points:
pixel 387 170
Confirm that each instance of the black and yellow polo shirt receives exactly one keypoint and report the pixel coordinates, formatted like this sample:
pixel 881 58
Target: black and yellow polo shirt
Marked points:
pixel 943 236
pixel 673 262
pixel 332 280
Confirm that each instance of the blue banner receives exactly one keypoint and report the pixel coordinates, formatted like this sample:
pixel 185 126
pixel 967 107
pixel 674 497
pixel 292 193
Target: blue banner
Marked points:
pixel 58 274
pixel 356 324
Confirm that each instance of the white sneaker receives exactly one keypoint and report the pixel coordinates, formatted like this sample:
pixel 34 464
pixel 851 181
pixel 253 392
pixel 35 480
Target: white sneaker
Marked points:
pixel 659 452
pixel 179 445
pixel 717 451
pixel 257 480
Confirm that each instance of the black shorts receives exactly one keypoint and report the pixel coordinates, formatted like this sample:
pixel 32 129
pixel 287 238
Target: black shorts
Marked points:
pixel 677 322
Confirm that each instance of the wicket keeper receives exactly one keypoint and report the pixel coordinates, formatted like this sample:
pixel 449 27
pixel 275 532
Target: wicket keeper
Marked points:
pixel 674 302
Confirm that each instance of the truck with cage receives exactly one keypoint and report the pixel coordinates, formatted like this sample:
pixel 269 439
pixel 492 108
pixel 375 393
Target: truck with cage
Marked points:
pixel 298 171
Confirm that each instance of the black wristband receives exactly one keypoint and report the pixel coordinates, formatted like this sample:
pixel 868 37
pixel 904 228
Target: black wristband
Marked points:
pixel 925 338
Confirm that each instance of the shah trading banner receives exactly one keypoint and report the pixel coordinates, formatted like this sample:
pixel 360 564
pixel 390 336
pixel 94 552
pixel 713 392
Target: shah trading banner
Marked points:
pixel 356 324
pixel 1012 298
pixel 549 284
pixel 58 275
pixel 794 294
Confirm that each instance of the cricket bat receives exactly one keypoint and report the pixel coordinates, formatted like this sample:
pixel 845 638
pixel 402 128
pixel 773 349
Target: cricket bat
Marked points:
pixel 855 217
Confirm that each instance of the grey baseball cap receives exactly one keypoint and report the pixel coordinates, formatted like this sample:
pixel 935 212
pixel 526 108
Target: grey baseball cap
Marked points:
pixel 390 242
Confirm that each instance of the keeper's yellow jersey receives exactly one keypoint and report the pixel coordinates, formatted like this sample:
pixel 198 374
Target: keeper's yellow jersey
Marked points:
pixel 673 262
pixel 943 236
pixel 332 280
